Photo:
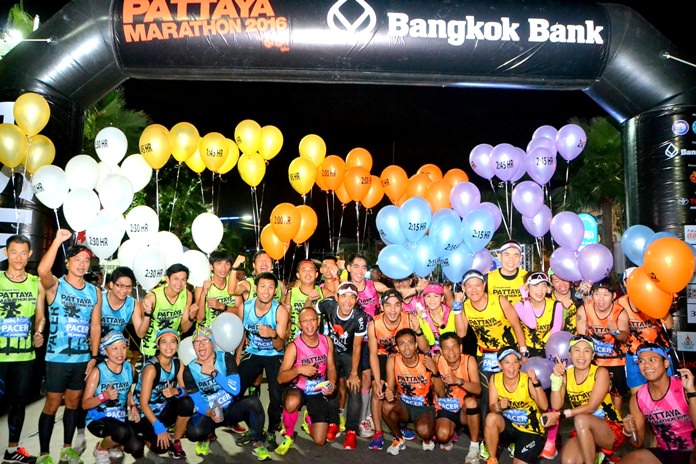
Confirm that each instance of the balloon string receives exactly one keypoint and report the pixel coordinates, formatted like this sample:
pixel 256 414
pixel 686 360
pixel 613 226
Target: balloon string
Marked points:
pixel 357 228
pixel 212 191
pixel 367 215
pixel 255 217
pixel 497 200
pixel 340 228
pixel 508 194
pixel 306 249
pixel 565 188
pixel 330 221
pixel 14 193
pixel 217 210
pixel 263 192
pixel 157 198
pixel 176 188
pixel 62 245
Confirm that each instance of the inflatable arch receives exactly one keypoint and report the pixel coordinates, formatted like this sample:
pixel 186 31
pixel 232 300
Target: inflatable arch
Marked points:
pixel 607 51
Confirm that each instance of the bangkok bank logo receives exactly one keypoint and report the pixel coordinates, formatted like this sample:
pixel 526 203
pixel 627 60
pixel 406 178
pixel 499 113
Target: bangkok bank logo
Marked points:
pixel 354 16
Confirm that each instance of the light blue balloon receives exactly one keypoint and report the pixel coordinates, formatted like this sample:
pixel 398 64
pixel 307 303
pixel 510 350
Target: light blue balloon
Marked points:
pixel 415 216
pixel 395 261
pixel 443 212
pixel 424 256
pixel 388 226
pixel 478 227
pixel 634 242
pixel 457 263
pixel 446 232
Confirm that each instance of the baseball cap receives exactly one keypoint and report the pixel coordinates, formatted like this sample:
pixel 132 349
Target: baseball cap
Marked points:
pixel 472 274
pixel 508 351
pixel 580 338
pixel 163 332
pixel 657 349
pixel 536 278
pixel 627 273
pixel 109 339
pixel 511 244
pixel 391 293
pixel 433 288
pixel 76 249
pixel 347 287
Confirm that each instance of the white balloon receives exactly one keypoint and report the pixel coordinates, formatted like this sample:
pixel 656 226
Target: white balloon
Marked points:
pixel 207 231
pixel 105 232
pixel 116 193
pixel 137 170
pixel 198 265
pixel 142 223
pixel 149 267
pixel 80 208
pixel 104 170
pixel 111 145
pixel 50 185
pixel 82 172
pixel 186 352
pixel 227 331
pixel 127 252
pixel 169 245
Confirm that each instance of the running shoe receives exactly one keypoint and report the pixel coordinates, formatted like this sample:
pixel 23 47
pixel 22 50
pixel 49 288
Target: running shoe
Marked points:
pixel 116 453
pixel 237 428
pixel 44 459
pixel 398 445
pixel 333 433
pixel 483 452
pixel 351 441
pixel 203 448
pixel 20 456
pixel 176 451
pixel 377 442
pixel 101 456
pixel 366 429
pixel 69 456
pixel 472 457
pixel 447 446
pixel 408 434
pixel 342 423
pixel 243 439
pixel 549 452
pixel 80 444
pixel 262 453
pixel 429 446
pixel 284 446
pixel 271 442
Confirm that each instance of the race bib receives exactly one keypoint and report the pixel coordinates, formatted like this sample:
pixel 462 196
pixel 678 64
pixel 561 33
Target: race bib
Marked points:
pixel 313 387
pixel 517 416
pixel 599 412
pixel 413 400
pixel 603 348
pixel 77 328
pixel 219 398
pixel 261 343
pixel 449 404
pixel 116 413
pixel 14 327
pixel 490 363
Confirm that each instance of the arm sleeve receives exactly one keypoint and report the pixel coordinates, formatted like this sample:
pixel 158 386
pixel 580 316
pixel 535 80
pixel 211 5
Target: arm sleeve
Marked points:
pixel 525 313
pixel 557 323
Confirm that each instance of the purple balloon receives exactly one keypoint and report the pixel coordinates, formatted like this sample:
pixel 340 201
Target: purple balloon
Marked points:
pixel 545 131
pixel 542 142
pixel 504 161
pixel 570 141
pixel 542 367
pixel 541 165
pixel 528 198
pixel 464 197
pixel 480 160
pixel 564 262
pixel 539 224
pixel 521 169
pixel 483 261
pixel 567 229
pixel 595 261
pixel 495 212
pixel 558 346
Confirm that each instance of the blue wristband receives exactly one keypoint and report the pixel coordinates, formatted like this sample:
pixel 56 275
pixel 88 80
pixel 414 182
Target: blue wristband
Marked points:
pixel 182 392
pixel 457 306
pixel 159 427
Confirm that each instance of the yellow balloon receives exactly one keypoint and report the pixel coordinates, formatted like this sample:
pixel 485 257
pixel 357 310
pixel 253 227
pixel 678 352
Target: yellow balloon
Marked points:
pixel 41 152
pixel 247 134
pixel 31 113
pixel 213 150
pixel 13 145
pixel 271 142
pixel 155 145
pixel 231 159
pixel 302 173
pixel 195 163
pixel 185 139
pixel 313 148
pixel 252 168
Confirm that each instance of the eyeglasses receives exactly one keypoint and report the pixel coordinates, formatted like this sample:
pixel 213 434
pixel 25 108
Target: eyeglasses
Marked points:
pixel 202 341
pixel 123 287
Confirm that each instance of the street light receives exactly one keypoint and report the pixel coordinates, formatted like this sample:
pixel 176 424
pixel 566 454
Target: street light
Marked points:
pixel 246 217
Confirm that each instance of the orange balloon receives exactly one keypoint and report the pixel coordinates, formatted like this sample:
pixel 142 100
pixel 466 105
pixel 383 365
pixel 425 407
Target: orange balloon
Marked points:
pixel 308 224
pixel 359 157
pixel 285 220
pixel 271 243
pixel 455 175
pixel 417 185
pixel 647 297
pixel 670 263
pixel 319 181
pixel 342 194
pixel 332 171
pixel 438 195
pixel 301 174
pixel 431 170
pixel 401 199
pixel 374 194
pixel 357 182
pixel 394 181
